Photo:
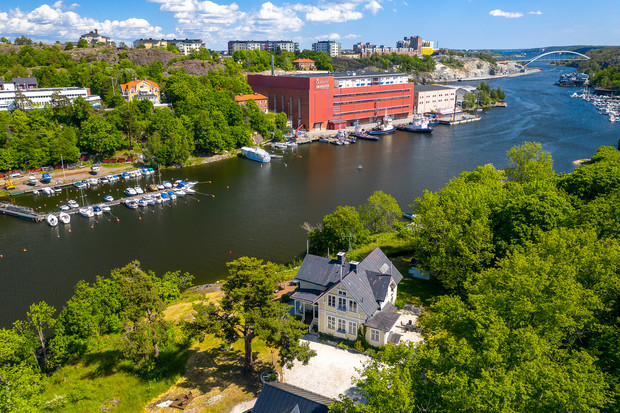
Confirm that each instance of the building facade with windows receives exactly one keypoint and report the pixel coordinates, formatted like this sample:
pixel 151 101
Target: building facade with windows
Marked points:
pixel 94 38
pixel 141 90
pixel 269 45
pixel 260 100
pixel 339 297
pixel 434 98
pixel 315 99
pixel 304 64
pixel 185 46
pixel 28 99
pixel 331 47
pixel 413 42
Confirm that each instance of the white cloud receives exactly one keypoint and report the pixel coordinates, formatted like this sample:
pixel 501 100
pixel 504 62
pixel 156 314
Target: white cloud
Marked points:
pixel 405 3
pixel 332 36
pixel 373 7
pixel 352 36
pixel 193 15
pixel 507 14
pixel 51 23
pixel 330 13
pixel 537 12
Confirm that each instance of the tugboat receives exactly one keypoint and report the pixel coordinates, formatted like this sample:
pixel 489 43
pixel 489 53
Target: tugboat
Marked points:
pixel 419 124
pixel 383 127
pixel 362 134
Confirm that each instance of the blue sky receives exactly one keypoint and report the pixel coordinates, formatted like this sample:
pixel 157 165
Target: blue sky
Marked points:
pixel 458 24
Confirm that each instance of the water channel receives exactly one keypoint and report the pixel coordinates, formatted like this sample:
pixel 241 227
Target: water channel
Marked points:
pixel 258 209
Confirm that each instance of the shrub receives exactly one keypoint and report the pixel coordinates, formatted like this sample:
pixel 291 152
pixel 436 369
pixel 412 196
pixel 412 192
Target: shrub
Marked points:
pixel 358 345
pixel 285 298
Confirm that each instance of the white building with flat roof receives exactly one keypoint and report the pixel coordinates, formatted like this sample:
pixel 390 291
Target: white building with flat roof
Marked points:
pixel 39 98
pixel 433 98
pixel 331 47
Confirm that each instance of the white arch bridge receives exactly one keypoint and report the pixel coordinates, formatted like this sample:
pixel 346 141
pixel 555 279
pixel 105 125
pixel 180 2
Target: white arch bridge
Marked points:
pixel 556 52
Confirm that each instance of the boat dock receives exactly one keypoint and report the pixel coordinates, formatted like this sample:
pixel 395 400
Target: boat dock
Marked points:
pixel 20 212
pixel 458 119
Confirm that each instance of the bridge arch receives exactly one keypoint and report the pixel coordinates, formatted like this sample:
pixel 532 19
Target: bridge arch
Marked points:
pixel 556 52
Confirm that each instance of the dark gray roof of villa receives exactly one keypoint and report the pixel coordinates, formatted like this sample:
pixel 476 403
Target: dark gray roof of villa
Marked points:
pixel 306 295
pixel 379 284
pixel 321 271
pixel 377 260
pixel 285 398
pixel 385 319
pixel 394 338
pixel 356 284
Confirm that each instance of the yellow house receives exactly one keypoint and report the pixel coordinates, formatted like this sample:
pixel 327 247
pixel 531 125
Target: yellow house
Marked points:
pixel 149 43
pixel 141 90
pixel 339 297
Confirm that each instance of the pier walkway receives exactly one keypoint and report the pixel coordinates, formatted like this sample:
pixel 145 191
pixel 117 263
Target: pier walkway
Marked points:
pixel 20 212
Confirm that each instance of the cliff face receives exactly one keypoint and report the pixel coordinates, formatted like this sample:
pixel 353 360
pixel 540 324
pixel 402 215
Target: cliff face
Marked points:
pixel 458 67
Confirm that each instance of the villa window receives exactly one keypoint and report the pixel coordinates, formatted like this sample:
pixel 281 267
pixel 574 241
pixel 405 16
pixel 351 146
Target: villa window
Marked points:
pixel 342 304
pixel 352 306
pixel 352 328
pixel 342 325
pixel 341 292
pixel 331 301
pixel 331 323
pixel 374 335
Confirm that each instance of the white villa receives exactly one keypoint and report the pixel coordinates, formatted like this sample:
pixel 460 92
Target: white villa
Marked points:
pixel 339 297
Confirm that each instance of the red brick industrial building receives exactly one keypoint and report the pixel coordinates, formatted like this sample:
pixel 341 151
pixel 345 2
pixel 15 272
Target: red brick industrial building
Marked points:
pixel 323 100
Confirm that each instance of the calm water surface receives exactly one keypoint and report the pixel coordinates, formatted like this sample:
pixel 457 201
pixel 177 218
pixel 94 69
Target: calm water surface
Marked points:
pixel 258 209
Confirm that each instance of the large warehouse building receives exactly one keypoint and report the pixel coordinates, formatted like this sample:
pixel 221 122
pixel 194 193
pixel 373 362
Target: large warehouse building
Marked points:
pixel 325 100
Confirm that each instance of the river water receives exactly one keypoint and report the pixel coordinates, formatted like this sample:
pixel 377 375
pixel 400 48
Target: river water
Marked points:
pixel 258 209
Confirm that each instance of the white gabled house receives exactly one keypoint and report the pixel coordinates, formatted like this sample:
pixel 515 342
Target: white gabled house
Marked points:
pixel 338 297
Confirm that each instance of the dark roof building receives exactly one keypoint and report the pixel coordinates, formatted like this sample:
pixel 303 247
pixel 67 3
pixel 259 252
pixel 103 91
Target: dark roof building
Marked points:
pixel 339 296
pixel 285 398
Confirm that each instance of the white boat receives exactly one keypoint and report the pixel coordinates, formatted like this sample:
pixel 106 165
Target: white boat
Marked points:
pixel 35 192
pixel 32 180
pixel 86 212
pixel 172 195
pixel 65 207
pixel 56 189
pixel 130 192
pixel 108 198
pixel 104 180
pixel 158 199
pixel 97 210
pixel 47 190
pixel 72 203
pixel 64 218
pixel 94 168
pixel 52 220
pixel 256 154
pixel 142 202
pixel 131 204
pixel 280 145
pixel 93 181
pixel 160 187
pixel 105 208
pixel 138 190
pixel 179 193
pixel 189 190
pixel 167 185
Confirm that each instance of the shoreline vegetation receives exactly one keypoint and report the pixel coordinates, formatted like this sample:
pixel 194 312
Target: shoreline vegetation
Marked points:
pixel 546 243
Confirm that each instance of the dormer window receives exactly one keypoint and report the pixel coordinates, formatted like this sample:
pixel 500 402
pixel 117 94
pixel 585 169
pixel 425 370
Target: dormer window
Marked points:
pixel 340 292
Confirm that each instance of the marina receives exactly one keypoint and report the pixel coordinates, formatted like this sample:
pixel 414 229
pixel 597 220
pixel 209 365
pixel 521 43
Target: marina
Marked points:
pixel 259 211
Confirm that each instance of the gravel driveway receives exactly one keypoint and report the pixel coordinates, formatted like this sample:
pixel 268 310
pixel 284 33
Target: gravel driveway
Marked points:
pixel 329 373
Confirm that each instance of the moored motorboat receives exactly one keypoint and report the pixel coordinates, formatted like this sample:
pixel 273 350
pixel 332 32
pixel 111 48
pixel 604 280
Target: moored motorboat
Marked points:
pixel 46 178
pixel 108 198
pixel 165 197
pixel 86 212
pixel 57 189
pixel 384 126
pixel 419 124
pixel 142 202
pixel 256 154
pixel 138 190
pixel 179 192
pixel 52 220
pixel 97 210
pixel 130 191
pixel 167 185
pixel 72 203
pixel 65 207
pixel 126 176
pixel 131 204
pixel 64 218
pixel 35 192
pixel 105 208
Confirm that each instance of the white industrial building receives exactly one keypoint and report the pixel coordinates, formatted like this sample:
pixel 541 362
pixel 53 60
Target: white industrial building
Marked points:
pixel 40 98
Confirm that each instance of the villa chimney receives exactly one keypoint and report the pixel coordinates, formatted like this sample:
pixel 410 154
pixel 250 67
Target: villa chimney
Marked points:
pixel 340 256
pixel 353 265
pixel 96 31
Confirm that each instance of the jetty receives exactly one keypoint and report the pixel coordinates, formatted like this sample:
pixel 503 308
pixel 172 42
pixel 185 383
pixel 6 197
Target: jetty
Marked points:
pixel 458 119
pixel 20 212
